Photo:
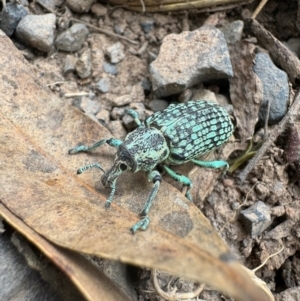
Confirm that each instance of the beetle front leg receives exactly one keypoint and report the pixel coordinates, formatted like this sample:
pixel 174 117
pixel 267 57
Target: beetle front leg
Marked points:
pixel 182 179
pixel 135 116
pixel 155 177
pixel 84 148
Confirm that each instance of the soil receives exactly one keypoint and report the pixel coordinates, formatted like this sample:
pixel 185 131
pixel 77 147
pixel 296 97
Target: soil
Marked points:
pixel 272 181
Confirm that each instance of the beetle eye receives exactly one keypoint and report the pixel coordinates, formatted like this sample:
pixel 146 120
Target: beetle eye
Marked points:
pixel 123 166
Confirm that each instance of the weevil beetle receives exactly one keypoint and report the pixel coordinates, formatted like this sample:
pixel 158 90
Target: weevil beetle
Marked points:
pixel 176 135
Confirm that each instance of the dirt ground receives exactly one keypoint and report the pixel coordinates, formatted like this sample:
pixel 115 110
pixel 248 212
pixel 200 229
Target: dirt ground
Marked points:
pixel 272 181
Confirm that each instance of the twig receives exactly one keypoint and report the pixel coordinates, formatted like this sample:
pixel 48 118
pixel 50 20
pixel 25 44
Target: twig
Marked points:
pixel 173 295
pixel 271 138
pixel 270 256
pixel 259 8
pixel 76 94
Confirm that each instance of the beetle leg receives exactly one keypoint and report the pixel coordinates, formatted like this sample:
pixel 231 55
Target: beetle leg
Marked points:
pixel 111 195
pixel 155 177
pixel 89 166
pixel 135 116
pixel 182 179
pixel 211 164
pixel 84 148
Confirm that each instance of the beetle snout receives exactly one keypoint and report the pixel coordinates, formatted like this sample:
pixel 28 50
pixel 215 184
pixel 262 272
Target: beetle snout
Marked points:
pixel 110 176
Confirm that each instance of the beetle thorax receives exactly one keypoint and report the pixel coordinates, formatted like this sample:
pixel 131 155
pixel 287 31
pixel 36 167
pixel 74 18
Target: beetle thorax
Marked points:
pixel 147 147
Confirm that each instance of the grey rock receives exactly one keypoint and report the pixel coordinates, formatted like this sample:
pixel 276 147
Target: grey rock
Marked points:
pixel 70 64
pixel 73 38
pixel 110 68
pixel 115 53
pixel 80 6
pixel 102 85
pixel 189 58
pixel 147 24
pixel 233 31
pixel 275 88
pixel 158 105
pixel 256 218
pixel 49 3
pixel 19 281
pixel 84 64
pixel 37 31
pixel 10 17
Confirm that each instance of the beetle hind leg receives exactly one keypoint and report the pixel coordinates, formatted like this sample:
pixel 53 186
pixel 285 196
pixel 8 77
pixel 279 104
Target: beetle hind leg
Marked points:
pixel 182 179
pixel 211 164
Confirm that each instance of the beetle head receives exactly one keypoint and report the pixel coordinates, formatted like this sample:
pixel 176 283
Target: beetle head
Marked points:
pixel 142 149
pixel 122 162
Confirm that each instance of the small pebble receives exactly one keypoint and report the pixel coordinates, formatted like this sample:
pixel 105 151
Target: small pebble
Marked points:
pixel 10 17
pixel 228 182
pixel 233 32
pixel 102 85
pixel 262 191
pixel 117 113
pixel 147 24
pixel 117 129
pixel 103 116
pixel 256 218
pixel 121 100
pixel 222 100
pixel 99 10
pixel 204 94
pixel 89 106
pixel 120 27
pixel 80 6
pixel 235 205
pixel 70 63
pixel 73 38
pixel 115 53
pixel 84 64
pixel 185 95
pixel 37 31
pixel 110 68
pixel 158 105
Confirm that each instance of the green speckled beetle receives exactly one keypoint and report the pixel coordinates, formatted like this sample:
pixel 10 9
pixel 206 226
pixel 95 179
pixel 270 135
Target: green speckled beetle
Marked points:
pixel 176 135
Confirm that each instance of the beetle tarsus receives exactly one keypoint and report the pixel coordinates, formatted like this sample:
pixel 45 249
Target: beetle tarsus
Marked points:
pixel 141 225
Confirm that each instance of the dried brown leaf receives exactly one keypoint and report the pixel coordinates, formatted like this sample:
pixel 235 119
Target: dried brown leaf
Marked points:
pixel 39 184
pixel 93 284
